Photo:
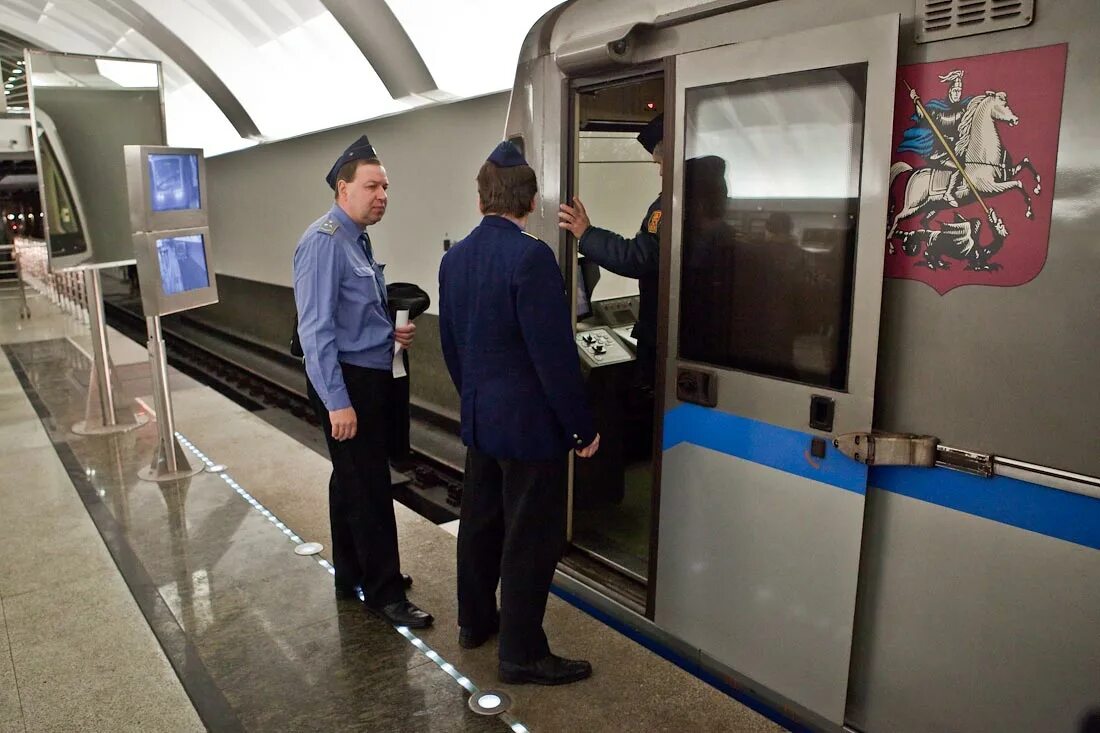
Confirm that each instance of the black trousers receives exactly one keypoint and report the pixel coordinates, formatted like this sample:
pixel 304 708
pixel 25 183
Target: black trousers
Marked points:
pixel 647 365
pixel 360 500
pixel 511 531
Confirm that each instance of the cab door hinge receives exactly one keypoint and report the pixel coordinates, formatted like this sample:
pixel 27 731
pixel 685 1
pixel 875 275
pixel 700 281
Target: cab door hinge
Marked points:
pixel 888 449
pixel 902 449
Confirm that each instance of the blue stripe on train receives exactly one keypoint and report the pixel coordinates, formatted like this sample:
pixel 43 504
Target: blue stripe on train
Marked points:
pixel 1066 516
pixel 1071 517
pixel 759 442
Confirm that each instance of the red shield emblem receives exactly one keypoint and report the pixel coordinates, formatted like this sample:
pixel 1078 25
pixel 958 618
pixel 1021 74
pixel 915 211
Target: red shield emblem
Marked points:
pixel 972 176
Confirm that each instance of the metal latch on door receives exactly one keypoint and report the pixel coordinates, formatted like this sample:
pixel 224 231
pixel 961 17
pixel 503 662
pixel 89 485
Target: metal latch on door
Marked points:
pixel 888 449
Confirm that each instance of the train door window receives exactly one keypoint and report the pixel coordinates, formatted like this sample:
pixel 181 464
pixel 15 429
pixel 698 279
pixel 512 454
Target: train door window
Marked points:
pixel 617 180
pixel 771 198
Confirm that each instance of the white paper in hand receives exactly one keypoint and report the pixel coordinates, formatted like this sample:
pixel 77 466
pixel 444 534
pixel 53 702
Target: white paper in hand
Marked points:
pixel 398 360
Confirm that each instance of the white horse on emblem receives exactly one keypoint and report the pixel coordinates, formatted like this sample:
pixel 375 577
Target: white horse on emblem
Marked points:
pixel 984 159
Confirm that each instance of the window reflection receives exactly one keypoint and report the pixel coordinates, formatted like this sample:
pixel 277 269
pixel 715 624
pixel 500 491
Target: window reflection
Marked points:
pixel 62 220
pixel 771 195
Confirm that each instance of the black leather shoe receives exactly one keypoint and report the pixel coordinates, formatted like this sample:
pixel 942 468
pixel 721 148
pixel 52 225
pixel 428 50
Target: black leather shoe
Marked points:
pixel 403 613
pixel 470 638
pixel 550 670
pixel 346 593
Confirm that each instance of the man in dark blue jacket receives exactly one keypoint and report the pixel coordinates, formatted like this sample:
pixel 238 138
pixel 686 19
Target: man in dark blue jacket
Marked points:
pixel 637 257
pixel 508 343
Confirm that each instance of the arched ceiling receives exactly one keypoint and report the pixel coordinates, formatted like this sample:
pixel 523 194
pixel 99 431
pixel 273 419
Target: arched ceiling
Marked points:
pixel 238 72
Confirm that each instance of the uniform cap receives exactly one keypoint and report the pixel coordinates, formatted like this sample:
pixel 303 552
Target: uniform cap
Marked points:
pixel 361 149
pixel 507 155
pixel 652 133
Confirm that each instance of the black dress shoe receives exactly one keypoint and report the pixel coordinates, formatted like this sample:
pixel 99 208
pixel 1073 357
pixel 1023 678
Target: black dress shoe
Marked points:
pixel 550 670
pixel 351 593
pixel 471 638
pixel 403 613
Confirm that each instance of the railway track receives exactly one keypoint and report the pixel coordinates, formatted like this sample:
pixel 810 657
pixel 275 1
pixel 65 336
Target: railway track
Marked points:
pixel 227 364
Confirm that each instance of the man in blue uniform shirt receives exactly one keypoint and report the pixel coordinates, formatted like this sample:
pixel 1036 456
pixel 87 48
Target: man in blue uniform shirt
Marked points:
pixel 508 343
pixel 638 257
pixel 348 342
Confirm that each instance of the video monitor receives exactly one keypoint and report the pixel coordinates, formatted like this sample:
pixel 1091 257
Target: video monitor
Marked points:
pixel 173 182
pixel 182 263
pixel 167 187
pixel 175 269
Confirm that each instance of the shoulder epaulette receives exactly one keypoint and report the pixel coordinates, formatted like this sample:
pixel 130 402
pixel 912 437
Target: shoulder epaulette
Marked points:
pixel 532 236
pixel 329 226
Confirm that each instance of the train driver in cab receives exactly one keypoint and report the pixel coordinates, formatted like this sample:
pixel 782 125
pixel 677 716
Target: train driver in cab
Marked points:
pixel 637 257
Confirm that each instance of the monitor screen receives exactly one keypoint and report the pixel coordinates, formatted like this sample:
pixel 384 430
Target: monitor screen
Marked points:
pixel 174 182
pixel 182 262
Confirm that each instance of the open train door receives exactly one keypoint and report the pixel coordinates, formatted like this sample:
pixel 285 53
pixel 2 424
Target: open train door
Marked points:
pixel 779 192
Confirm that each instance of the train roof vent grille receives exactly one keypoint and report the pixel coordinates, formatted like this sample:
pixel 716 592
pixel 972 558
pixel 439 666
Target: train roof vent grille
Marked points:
pixel 938 20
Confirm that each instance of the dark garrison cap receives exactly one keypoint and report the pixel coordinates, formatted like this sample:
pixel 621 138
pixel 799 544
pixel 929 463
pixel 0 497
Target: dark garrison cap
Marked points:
pixel 361 149
pixel 652 133
pixel 507 155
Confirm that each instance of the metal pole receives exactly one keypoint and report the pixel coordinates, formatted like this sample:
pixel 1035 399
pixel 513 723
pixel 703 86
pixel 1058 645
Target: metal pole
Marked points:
pixel 166 426
pixel 100 352
pixel 169 462
pixel 84 295
pixel 101 413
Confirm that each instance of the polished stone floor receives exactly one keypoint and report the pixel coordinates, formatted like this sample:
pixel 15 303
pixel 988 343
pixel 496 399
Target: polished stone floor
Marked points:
pixel 76 652
pixel 250 629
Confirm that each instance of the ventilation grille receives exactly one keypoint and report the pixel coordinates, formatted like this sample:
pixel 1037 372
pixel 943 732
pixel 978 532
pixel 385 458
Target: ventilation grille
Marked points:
pixel 938 20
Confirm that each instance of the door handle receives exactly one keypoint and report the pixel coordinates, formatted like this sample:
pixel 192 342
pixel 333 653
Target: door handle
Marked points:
pixel 698 386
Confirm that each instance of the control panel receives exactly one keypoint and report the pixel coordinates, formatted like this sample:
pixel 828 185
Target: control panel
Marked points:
pixel 599 347
pixel 617 311
pixel 624 332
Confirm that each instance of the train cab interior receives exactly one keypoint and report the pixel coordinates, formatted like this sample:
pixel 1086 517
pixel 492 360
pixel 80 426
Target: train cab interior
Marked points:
pixel 765 276
pixel 617 180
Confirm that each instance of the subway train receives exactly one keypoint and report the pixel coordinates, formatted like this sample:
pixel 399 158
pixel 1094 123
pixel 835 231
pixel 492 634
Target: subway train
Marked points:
pixel 864 488
pixel 863 484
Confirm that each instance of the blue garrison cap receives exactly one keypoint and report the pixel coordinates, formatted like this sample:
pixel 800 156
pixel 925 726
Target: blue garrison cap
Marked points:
pixel 361 149
pixel 652 133
pixel 507 155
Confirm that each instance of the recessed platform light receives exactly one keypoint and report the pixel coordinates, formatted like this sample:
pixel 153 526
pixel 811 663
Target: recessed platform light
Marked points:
pixel 308 548
pixel 490 702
